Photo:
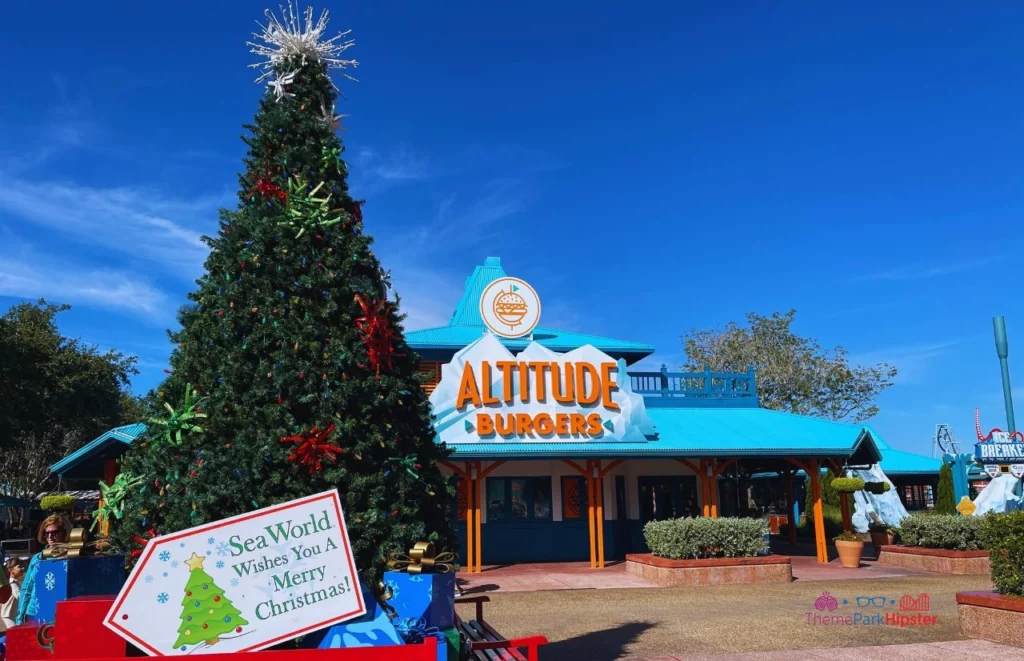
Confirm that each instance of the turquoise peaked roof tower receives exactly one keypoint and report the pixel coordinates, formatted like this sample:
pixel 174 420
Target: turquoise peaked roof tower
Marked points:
pixel 466 325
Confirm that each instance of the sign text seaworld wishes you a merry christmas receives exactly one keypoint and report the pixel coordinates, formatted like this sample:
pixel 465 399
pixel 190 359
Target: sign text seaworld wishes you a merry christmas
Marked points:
pixel 242 584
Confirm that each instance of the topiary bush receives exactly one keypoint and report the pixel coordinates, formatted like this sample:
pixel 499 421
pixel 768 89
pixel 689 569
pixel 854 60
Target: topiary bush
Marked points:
pixel 942 531
pixel 945 500
pixel 57 502
pixel 692 539
pixel 833 517
pixel 877 487
pixel 1003 536
pixel 847 484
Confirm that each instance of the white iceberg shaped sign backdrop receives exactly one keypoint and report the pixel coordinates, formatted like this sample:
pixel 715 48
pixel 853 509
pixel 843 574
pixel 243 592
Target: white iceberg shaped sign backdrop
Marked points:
pixel 487 395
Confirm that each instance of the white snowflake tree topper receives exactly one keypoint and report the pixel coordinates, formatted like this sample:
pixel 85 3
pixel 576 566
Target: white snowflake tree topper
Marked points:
pixel 280 86
pixel 293 35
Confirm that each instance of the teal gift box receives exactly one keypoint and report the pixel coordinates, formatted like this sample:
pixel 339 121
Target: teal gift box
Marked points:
pixel 427 599
pixel 448 645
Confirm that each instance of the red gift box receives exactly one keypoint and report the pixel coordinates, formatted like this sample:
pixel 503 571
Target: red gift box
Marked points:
pixel 79 630
pixel 23 642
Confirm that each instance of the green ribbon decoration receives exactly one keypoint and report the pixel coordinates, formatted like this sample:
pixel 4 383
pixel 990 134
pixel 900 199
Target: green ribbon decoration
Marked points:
pixel 306 211
pixel 408 463
pixel 331 156
pixel 113 497
pixel 182 419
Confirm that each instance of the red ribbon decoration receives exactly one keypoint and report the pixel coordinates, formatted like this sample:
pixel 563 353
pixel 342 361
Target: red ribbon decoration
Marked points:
pixel 265 187
pixel 313 448
pixel 378 333
pixel 141 541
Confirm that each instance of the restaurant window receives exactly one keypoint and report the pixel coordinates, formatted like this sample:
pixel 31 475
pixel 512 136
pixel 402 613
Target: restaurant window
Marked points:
pixel 574 497
pixel 518 499
pixel 918 497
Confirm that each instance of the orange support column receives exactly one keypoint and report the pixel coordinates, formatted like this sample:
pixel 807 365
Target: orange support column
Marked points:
pixel 591 524
pixel 819 518
pixel 470 493
pixel 599 490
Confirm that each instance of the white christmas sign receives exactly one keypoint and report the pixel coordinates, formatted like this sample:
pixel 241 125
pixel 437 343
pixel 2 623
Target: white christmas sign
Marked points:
pixel 242 584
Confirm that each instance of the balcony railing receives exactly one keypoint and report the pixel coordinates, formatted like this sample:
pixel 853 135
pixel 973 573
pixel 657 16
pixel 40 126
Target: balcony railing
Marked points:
pixel 697 389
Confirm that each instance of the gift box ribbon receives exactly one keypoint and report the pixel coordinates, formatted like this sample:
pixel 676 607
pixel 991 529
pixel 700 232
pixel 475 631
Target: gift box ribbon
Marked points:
pixel 422 559
pixel 414 630
pixel 78 545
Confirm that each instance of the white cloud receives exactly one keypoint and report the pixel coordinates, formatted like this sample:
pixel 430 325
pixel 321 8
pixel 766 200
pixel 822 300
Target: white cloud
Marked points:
pixel 925 271
pixel 100 287
pixel 400 165
pixel 136 223
pixel 913 362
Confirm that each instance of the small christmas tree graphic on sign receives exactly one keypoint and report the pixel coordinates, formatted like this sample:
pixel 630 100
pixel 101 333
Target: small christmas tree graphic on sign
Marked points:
pixel 206 613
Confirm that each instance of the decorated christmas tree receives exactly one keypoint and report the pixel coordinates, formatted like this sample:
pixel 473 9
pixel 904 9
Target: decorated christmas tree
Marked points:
pixel 206 613
pixel 290 373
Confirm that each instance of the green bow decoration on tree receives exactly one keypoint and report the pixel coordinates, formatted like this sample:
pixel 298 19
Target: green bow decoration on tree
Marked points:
pixel 306 211
pixel 182 419
pixel 331 156
pixel 112 497
pixel 409 464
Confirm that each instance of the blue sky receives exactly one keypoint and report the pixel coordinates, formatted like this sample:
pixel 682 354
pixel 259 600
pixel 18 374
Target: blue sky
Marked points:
pixel 649 167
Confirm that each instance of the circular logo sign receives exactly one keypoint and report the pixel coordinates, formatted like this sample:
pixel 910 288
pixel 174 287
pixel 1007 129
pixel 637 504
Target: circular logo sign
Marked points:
pixel 510 307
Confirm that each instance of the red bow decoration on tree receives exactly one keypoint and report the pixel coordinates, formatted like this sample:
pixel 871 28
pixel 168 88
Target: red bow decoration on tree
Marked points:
pixel 313 448
pixel 355 212
pixel 378 333
pixel 265 187
pixel 141 541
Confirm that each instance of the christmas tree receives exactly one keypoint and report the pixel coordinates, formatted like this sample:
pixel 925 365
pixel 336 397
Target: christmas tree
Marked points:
pixel 290 373
pixel 206 613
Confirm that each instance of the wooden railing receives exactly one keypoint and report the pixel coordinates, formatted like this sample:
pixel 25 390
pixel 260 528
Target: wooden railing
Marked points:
pixel 696 388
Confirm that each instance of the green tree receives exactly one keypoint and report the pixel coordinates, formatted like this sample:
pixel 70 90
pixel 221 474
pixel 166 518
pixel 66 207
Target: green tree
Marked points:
pixel 296 357
pixel 945 500
pixel 206 613
pixel 56 394
pixel 794 374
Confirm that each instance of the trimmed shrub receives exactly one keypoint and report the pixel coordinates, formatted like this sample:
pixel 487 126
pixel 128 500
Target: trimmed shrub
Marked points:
pixel 847 484
pixel 833 517
pixel 942 531
pixel 692 539
pixel 877 487
pixel 1003 536
pixel 57 502
pixel 945 502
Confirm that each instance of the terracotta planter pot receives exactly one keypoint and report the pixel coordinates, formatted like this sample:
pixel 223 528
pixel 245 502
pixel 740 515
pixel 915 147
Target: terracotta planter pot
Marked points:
pixel 880 538
pixel 849 553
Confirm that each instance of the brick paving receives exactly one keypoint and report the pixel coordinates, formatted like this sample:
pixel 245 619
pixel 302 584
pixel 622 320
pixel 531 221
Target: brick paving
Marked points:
pixel 963 649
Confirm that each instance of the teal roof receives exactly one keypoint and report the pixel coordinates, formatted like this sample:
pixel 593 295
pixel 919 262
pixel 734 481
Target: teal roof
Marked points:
pixel 124 434
pixel 707 432
pixel 466 325
pixel 898 462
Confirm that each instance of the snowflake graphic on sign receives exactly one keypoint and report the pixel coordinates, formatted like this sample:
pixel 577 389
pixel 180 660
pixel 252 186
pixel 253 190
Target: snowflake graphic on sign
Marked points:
pixel 51 580
pixel 268 576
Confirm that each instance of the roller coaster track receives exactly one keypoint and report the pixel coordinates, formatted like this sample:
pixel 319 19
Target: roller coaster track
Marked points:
pixel 977 428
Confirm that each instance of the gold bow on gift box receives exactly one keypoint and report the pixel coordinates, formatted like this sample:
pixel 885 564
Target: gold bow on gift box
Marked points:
pixel 78 545
pixel 423 560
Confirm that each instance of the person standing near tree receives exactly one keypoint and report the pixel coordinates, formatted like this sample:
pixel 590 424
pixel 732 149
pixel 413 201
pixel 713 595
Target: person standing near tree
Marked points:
pixel 55 529
pixel 9 609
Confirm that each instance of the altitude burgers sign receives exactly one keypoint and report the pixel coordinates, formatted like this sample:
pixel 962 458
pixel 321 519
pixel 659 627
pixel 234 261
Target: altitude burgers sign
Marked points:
pixel 488 395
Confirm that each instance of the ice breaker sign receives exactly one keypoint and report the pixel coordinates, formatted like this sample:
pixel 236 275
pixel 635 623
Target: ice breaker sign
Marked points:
pixel 242 584
pixel 999 450
pixel 488 395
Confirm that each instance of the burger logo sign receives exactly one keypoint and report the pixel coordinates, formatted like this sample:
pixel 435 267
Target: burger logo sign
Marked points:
pixel 510 307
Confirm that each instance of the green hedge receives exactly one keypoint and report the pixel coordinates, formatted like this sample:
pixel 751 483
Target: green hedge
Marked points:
pixel 1003 536
pixel 691 539
pixel 877 487
pixel 847 484
pixel 942 531
pixel 833 517
pixel 57 502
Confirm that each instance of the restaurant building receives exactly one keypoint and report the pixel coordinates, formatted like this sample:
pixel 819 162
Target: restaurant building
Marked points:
pixel 563 449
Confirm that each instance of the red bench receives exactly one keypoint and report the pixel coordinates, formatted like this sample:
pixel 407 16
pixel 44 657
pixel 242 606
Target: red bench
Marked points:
pixel 486 644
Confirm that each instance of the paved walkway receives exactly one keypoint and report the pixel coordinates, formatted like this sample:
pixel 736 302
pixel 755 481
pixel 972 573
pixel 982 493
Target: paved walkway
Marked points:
pixel 579 575
pixel 963 649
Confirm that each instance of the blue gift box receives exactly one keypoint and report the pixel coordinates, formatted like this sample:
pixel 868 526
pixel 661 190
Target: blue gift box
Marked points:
pixel 429 598
pixel 57 580
pixel 372 629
